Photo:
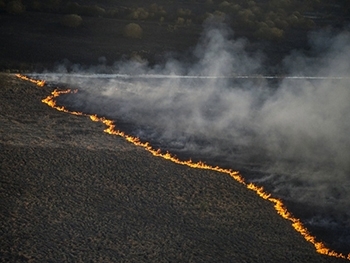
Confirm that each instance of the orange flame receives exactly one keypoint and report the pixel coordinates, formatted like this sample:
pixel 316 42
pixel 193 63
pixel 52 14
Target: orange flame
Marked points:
pixel 278 204
pixel 40 83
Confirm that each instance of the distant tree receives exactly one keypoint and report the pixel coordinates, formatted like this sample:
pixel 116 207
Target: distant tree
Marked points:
pixel 72 8
pixel 15 7
pixel 92 10
pixel 266 32
pixel 184 12
pixel 180 21
pixel 139 14
pixel 72 20
pixel 280 23
pixel 2 4
pixel 52 5
pixel 209 3
pixel 113 12
pixel 251 4
pixel 133 30
pixel 36 5
pixel 156 12
pixel 224 5
pixel 85 10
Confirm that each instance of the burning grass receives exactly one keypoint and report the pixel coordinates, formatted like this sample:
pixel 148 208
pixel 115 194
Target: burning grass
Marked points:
pixel 278 204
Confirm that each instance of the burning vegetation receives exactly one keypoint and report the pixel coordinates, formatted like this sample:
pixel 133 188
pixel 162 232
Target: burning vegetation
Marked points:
pixel 279 206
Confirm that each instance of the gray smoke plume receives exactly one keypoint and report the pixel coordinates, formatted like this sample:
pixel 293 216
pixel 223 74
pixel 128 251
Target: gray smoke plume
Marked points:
pixel 292 134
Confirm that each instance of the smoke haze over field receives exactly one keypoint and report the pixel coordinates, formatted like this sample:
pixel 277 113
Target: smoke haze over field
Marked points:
pixel 291 134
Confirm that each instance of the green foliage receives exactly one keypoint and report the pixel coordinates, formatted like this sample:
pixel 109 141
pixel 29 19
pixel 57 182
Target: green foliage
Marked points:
pixel 72 20
pixel 133 30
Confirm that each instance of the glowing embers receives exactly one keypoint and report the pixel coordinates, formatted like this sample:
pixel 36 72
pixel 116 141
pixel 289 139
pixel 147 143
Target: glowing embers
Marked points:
pixel 278 204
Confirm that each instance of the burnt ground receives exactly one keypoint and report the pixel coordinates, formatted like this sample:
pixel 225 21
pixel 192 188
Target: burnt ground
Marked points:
pixel 71 193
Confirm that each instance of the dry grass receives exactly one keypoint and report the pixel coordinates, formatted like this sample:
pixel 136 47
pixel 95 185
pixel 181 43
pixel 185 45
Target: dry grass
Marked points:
pixel 69 192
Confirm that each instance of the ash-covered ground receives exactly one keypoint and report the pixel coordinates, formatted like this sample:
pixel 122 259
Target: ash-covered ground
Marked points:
pixel 70 192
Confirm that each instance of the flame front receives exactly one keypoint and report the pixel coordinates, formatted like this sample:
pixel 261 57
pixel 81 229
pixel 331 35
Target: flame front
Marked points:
pixel 111 129
pixel 40 83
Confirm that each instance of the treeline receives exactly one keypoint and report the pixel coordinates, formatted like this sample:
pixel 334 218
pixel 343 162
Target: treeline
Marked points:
pixel 267 19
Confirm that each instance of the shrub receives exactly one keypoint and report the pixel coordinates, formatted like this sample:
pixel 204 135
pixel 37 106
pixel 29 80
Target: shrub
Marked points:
pixel 293 20
pixel 114 12
pixel 280 23
pixel 2 4
pixel 15 7
pixel 268 33
pixel 246 14
pixel 72 20
pixel 180 21
pixel 52 5
pixel 223 6
pixel 36 5
pixel 72 8
pixel 133 30
pixel 156 12
pixel 183 12
pixel 139 13
pixel 85 10
pixel 209 3
pixel 270 23
pixel 93 10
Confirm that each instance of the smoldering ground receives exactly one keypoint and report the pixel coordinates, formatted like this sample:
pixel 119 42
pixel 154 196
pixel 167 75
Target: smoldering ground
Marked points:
pixel 290 135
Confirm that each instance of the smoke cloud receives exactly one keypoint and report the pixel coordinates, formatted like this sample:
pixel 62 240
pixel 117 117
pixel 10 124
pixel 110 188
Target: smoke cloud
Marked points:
pixel 290 134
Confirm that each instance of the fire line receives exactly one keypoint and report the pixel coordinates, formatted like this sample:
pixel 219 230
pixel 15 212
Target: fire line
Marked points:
pixel 111 129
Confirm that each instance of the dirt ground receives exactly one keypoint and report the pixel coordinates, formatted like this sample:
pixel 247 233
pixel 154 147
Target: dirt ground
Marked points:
pixel 71 193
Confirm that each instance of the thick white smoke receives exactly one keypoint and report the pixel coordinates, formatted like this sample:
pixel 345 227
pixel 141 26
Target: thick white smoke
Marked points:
pixel 293 134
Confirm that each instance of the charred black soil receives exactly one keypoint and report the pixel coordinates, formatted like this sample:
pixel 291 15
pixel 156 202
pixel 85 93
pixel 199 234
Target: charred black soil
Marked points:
pixel 70 192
